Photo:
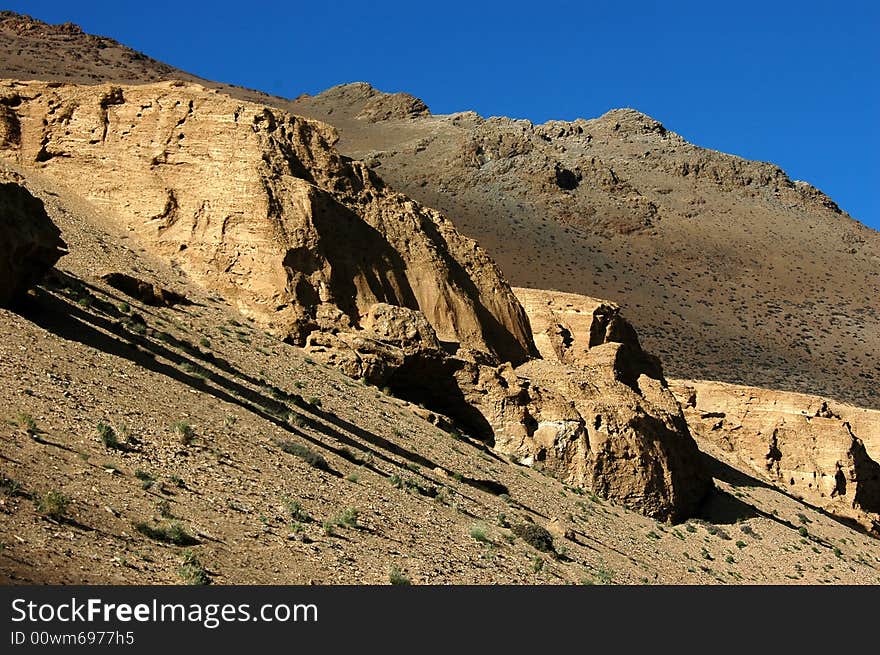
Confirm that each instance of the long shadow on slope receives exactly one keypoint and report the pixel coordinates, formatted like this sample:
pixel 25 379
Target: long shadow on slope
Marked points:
pixel 724 508
pixel 70 321
pixel 277 404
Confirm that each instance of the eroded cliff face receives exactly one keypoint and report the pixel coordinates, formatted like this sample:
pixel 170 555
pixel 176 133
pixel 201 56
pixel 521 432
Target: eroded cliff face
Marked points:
pixel 602 420
pixel 808 445
pixel 257 205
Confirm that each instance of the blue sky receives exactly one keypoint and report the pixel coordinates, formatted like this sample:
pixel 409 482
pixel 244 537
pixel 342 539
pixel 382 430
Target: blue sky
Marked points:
pixel 795 83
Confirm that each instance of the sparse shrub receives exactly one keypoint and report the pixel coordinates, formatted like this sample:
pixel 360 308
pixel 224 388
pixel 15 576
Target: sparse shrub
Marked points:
pixel 478 533
pixel 177 481
pixel 729 559
pixel 653 535
pixel 740 544
pixel 305 453
pixel 802 531
pixel 185 432
pixel 191 570
pixel 10 487
pixel 195 370
pixel 396 577
pixel 537 564
pixel 605 576
pixel 169 533
pixel 502 521
pixel 27 423
pixel 296 511
pixel 534 535
pixel 164 508
pixel 352 477
pixel 124 307
pixel 204 343
pixel 315 402
pixel 348 518
pixel 136 324
pixel 53 505
pixel 146 479
pixel 410 484
pixel 108 437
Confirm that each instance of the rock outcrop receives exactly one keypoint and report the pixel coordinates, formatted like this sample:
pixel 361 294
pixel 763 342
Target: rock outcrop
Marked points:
pixel 603 420
pixel 147 292
pixel 30 243
pixel 256 204
pixel 807 445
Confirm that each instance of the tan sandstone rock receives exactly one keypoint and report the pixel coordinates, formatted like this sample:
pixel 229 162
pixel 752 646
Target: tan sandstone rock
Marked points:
pixel 805 444
pixel 256 204
pixel 604 422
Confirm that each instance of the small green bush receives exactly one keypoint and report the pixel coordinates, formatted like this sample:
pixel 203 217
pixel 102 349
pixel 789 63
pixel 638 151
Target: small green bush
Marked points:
pixel 146 479
pixel 53 505
pixel 534 535
pixel 296 511
pixel 349 517
pixel 191 570
pixel 396 577
pixel 10 487
pixel 170 533
pixel 305 453
pixel 27 423
pixel 478 533
pixel 185 432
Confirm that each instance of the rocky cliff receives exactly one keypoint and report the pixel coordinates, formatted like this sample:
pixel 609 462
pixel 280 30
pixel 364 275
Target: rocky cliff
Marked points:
pixel 602 420
pixel 821 450
pixel 257 205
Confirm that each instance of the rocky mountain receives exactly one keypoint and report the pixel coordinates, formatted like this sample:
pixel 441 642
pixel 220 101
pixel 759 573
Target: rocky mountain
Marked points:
pixel 256 205
pixel 276 359
pixel 728 269
pixel 146 442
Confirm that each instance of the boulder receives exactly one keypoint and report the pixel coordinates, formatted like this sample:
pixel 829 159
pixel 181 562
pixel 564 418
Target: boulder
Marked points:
pixel 147 292
pixel 30 243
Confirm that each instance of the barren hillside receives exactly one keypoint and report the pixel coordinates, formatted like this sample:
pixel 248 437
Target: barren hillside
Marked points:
pixel 728 269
